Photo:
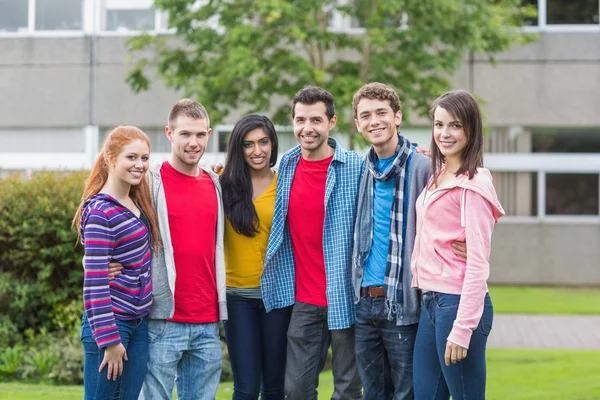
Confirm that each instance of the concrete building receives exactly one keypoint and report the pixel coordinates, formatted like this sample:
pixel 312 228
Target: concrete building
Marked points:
pixel 63 65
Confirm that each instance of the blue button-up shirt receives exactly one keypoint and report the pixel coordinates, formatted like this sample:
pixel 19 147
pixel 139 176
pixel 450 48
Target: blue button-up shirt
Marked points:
pixel 341 192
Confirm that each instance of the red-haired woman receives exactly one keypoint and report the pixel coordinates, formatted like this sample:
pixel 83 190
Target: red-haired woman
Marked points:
pixel 115 222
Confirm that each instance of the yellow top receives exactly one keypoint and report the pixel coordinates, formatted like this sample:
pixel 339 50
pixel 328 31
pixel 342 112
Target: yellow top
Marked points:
pixel 245 256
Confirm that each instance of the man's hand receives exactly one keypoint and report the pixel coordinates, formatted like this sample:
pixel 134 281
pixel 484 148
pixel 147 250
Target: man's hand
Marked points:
pixel 460 249
pixel 114 269
pixel 216 168
pixel 423 150
pixel 454 353
pixel 113 357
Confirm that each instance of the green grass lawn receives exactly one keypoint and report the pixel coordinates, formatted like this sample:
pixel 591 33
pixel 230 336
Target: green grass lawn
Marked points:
pixel 545 300
pixel 512 375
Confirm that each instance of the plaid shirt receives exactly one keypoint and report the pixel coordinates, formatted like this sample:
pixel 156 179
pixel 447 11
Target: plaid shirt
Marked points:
pixel 341 190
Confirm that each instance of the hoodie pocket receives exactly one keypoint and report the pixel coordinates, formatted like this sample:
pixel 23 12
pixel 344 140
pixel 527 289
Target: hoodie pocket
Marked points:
pixel 435 265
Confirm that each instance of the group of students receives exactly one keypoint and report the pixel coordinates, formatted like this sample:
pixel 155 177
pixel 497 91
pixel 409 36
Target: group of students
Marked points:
pixel 384 259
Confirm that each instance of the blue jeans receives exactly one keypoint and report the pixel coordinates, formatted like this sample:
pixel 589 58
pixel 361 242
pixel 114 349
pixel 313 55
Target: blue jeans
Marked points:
pixel 257 342
pixel 466 378
pixel 384 352
pixel 308 342
pixel 96 386
pixel 188 355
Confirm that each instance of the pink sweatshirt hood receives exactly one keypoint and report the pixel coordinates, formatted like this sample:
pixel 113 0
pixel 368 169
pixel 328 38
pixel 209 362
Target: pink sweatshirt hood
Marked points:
pixel 483 185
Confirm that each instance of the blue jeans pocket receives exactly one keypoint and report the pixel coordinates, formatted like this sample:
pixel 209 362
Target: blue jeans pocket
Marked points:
pixel 85 332
pixel 487 318
pixel 446 301
pixel 156 330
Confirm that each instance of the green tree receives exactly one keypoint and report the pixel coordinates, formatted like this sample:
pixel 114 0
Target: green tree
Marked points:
pixel 254 53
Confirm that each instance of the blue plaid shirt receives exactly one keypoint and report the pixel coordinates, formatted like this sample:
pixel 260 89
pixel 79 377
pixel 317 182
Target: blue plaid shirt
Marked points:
pixel 341 192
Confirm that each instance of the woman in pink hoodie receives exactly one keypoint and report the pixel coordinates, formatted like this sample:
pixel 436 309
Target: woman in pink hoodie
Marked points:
pixel 459 203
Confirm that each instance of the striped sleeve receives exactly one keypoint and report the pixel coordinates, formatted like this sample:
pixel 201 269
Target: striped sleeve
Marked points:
pixel 99 244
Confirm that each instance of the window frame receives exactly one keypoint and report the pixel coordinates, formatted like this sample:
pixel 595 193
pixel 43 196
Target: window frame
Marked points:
pixel 343 23
pixel 542 164
pixel 92 16
pixel 99 13
pixel 31 28
pixel 542 24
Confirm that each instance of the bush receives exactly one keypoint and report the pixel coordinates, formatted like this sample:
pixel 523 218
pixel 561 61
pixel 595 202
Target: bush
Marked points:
pixel 44 357
pixel 11 359
pixel 40 267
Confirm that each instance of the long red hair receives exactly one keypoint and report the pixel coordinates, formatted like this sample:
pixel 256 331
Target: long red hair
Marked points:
pixel 118 138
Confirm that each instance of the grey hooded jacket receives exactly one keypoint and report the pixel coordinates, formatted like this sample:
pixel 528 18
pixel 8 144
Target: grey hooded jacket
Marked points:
pixel 163 263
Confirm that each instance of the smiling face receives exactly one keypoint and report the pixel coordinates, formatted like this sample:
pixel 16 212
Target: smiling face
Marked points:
pixel 188 137
pixel 131 164
pixel 449 136
pixel 311 128
pixel 257 148
pixel 378 124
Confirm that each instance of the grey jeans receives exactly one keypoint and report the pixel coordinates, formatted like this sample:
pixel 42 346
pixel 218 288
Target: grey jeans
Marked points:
pixel 309 339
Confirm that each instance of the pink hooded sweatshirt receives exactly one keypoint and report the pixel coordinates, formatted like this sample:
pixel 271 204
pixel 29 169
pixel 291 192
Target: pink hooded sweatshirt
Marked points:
pixel 465 210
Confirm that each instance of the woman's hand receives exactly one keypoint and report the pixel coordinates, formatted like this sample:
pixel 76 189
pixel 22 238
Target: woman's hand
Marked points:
pixel 113 357
pixel 454 353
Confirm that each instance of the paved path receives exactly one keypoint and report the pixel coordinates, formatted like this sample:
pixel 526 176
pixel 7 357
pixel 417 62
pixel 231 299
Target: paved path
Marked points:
pixel 574 332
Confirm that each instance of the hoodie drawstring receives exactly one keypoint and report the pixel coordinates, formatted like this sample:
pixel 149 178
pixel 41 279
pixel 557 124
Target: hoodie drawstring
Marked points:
pixel 462 207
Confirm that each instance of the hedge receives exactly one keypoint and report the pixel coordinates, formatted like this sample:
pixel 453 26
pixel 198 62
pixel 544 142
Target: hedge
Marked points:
pixel 41 279
pixel 40 266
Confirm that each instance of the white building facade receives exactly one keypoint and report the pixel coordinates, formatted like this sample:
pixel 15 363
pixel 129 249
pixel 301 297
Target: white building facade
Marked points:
pixel 63 65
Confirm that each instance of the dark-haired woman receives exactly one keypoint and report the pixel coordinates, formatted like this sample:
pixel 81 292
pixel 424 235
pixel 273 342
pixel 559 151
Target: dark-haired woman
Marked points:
pixel 256 340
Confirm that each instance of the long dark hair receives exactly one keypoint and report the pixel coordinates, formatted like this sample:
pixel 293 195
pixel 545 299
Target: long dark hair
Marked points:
pixel 236 181
pixel 461 105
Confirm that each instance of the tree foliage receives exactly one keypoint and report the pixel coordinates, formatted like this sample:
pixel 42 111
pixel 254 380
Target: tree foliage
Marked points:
pixel 255 54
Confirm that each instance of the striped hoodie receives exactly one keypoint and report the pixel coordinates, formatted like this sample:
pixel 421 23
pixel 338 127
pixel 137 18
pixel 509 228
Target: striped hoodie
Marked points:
pixel 111 232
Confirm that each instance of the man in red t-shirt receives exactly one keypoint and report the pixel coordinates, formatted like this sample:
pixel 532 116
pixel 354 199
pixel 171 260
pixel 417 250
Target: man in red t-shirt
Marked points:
pixel 316 322
pixel 188 269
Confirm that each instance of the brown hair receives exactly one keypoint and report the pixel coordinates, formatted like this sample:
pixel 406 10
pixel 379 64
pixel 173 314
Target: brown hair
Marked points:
pixel 113 145
pixel 190 108
pixel 376 91
pixel 462 106
pixel 312 95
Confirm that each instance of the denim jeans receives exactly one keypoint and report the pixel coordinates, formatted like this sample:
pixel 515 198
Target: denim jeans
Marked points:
pixel 96 386
pixel 188 355
pixel 384 352
pixel 433 379
pixel 257 343
pixel 309 339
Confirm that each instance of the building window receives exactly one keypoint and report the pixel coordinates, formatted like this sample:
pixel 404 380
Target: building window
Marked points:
pixel 572 194
pixel 13 15
pixel 130 15
pixel 569 12
pixel 61 15
pixel 224 136
pixel 533 21
pixel 565 141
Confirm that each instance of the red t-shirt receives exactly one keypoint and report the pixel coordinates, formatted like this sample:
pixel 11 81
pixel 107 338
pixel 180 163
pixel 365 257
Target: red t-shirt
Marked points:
pixel 306 217
pixel 192 206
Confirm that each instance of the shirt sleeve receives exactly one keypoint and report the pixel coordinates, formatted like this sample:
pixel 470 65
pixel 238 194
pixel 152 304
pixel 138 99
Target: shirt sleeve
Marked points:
pixel 99 242
pixel 479 224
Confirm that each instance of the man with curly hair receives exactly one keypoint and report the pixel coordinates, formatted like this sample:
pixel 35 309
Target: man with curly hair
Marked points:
pixel 387 310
